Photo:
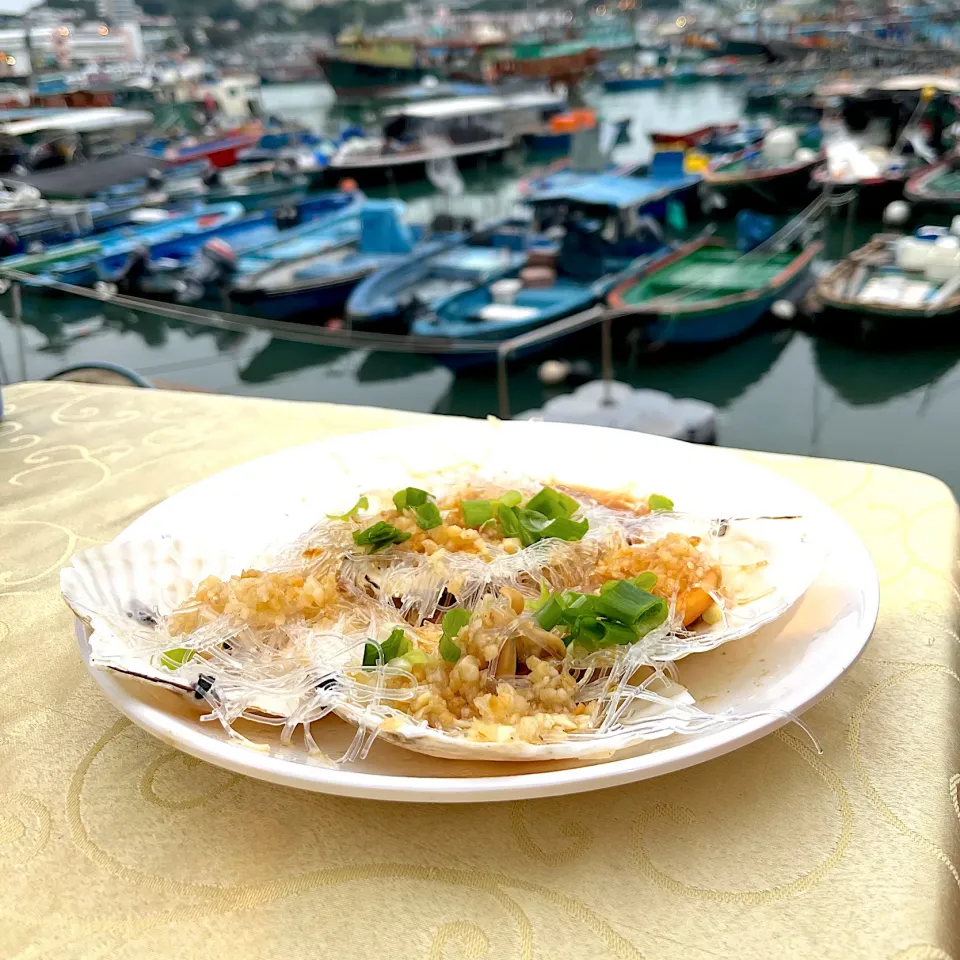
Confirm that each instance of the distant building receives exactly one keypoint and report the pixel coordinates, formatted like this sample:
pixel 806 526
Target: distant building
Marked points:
pixel 118 11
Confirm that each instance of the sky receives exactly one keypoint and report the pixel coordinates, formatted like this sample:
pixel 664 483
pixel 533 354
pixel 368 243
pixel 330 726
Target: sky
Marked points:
pixel 15 6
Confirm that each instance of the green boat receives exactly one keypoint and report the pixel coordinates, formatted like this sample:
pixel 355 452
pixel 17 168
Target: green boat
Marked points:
pixel 937 186
pixel 706 293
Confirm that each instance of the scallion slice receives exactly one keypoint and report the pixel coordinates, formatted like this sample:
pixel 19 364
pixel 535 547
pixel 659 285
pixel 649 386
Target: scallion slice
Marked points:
pixel 410 497
pixel 659 502
pixel 379 536
pixel 477 512
pixel 427 515
pixel 177 657
pixel 551 613
pixel 351 514
pixel 453 622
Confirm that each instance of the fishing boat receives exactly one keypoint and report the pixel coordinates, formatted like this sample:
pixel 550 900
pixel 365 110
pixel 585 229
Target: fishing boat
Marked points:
pixel 219 150
pixel 706 293
pixel 188 275
pixel 603 235
pixel 259 186
pixel 314 273
pixel 692 138
pixel 937 186
pixel 630 76
pixel 773 177
pixel 86 262
pixel 388 298
pixel 463 130
pixel 361 66
pixel 877 186
pixel 894 285
pixel 647 190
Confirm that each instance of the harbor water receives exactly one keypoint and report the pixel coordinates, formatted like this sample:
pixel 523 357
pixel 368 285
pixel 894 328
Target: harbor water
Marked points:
pixel 781 389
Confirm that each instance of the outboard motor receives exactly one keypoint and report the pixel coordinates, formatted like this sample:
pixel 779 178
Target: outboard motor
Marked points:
pixel 215 265
pixel 155 179
pixel 211 177
pixel 128 278
pixel 288 216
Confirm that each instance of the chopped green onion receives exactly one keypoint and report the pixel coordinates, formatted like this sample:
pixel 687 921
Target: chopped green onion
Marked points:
pixel 565 529
pixel 625 603
pixel 652 617
pixel 171 659
pixel 645 581
pixel 416 656
pixel 553 504
pixel 476 512
pixel 449 649
pixel 396 645
pixel 511 498
pixel 428 516
pixel 551 613
pixel 410 497
pixel 509 522
pixel 658 502
pixel 351 514
pixel 379 536
pixel 541 600
pixel 453 622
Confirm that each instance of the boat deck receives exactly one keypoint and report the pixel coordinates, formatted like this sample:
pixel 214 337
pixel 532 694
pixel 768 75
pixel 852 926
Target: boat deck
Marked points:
pixel 708 273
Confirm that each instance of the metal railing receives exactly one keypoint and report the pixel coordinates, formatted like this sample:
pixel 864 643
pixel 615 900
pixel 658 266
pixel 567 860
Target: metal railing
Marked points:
pixel 498 351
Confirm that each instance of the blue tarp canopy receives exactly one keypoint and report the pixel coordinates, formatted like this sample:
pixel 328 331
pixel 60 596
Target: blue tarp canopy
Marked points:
pixel 605 190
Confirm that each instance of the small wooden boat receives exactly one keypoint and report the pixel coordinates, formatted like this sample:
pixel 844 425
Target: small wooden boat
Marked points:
pixel 868 296
pixel 315 272
pixel 745 180
pixel 936 186
pixel 604 236
pixel 86 262
pixel 706 293
pixel 387 299
pixel 692 138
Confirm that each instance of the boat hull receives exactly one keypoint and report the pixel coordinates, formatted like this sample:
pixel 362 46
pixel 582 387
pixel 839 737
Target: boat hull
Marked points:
pixel 395 170
pixel 790 190
pixel 355 78
pixel 716 326
pixel 320 299
pixel 625 84
pixel 921 189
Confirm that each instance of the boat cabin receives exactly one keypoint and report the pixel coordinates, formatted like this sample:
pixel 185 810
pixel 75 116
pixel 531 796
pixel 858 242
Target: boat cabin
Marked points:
pixel 474 119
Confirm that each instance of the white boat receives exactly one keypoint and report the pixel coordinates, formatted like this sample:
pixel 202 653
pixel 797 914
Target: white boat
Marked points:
pixel 462 129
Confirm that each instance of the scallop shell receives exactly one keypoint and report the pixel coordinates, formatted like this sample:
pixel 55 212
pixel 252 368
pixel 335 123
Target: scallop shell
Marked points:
pixel 657 722
pixel 121 590
pixel 767 562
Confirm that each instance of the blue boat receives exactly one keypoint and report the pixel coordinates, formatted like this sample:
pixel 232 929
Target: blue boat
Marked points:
pixel 315 272
pixel 187 275
pixel 113 247
pixel 645 190
pixel 387 299
pixel 606 236
pixel 625 84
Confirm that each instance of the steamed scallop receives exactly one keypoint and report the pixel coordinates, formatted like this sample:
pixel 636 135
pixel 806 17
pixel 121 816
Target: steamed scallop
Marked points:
pixel 467 618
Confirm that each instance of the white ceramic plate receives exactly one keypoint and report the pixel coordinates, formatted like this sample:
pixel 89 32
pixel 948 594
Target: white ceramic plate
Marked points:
pixel 779 671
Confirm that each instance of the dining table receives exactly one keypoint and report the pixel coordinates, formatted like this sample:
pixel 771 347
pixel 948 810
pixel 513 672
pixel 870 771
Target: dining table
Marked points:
pixel 113 844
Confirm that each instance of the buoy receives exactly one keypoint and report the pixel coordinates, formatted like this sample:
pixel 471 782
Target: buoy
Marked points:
pixel 805 155
pixel 349 185
pixel 783 310
pixel 552 372
pixel 429 82
pixel 896 213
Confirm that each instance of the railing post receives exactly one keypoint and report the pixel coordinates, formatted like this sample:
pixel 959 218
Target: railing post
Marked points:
pixel 503 386
pixel 17 304
pixel 606 357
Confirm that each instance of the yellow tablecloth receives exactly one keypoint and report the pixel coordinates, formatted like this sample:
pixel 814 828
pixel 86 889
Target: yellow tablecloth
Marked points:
pixel 113 845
